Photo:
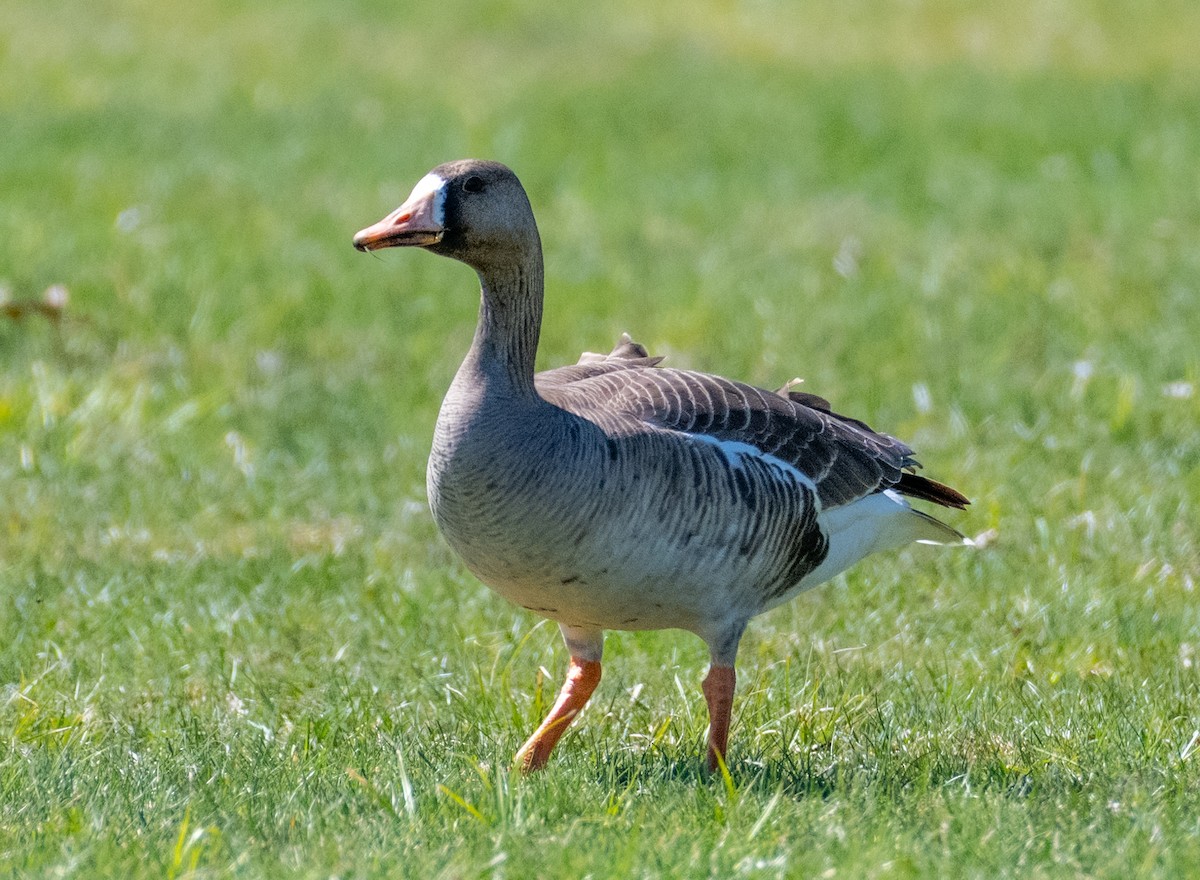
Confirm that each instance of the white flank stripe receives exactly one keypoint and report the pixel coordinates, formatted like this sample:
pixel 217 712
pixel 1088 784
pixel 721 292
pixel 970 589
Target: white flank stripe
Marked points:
pixel 736 452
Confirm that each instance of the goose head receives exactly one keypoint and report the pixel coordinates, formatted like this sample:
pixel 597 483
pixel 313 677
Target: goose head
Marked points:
pixel 473 211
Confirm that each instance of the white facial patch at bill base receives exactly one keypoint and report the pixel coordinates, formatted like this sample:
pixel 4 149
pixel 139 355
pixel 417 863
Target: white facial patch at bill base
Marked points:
pixel 435 185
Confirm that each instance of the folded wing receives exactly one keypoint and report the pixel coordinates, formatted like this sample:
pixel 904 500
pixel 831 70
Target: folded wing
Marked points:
pixel 626 391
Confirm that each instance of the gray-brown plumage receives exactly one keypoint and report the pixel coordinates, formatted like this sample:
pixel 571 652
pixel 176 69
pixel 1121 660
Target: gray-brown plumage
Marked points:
pixel 844 457
pixel 619 494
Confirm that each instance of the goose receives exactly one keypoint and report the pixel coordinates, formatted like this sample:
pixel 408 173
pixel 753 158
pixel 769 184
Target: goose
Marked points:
pixel 616 493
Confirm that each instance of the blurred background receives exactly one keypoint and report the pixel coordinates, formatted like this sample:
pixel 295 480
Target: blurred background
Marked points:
pixel 974 225
pixel 996 207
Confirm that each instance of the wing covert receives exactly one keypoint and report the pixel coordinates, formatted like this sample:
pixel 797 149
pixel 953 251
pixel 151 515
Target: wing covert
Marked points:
pixel 625 391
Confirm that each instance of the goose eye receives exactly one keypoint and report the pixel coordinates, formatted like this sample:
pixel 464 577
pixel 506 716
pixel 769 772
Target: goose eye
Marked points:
pixel 473 185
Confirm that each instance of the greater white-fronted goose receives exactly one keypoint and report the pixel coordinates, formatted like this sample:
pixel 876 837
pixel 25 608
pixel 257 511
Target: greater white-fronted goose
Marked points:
pixel 619 494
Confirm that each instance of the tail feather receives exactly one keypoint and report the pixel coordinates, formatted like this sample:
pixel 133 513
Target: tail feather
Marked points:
pixel 930 490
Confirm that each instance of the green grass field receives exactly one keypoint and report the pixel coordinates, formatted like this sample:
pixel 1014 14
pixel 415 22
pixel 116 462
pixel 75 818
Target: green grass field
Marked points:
pixel 231 641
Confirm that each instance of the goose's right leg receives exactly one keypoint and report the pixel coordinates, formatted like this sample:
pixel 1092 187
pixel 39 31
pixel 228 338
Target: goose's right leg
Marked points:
pixel 718 688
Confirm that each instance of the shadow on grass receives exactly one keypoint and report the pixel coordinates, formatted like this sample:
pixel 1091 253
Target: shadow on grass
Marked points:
pixel 822 776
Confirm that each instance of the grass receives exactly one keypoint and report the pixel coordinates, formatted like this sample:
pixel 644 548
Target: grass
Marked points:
pixel 231 643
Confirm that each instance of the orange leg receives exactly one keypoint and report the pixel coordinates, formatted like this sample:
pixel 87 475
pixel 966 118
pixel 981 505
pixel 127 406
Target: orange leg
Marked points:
pixel 718 693
pixel 582 678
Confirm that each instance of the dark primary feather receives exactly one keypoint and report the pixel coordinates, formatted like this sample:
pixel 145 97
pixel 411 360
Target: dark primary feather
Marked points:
pixel 625 390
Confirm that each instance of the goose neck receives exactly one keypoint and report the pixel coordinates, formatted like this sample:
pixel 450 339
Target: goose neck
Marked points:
pixel 510 318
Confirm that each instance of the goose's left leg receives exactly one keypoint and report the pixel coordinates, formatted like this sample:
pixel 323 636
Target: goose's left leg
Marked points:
pixel 586 647
pixel 718 689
